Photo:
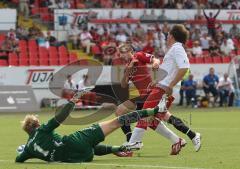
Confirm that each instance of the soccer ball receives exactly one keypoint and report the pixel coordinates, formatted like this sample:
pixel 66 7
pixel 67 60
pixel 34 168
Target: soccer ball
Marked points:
pixel 20 149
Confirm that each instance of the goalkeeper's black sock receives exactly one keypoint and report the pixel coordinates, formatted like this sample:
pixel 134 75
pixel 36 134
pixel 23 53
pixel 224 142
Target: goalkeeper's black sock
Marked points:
pixel 101 149
pixel 133 117
pixel 179 125
pixel 127 131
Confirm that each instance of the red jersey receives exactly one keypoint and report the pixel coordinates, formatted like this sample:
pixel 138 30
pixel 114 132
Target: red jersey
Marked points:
pixel 139 75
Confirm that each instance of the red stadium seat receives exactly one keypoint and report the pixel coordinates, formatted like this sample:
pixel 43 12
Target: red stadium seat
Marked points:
pixel 23 62
pixel 205 53
pixel 63 61
pixel 73 57
pixel 226 59
pixel 13 59
pixel 33 62
pixel 192 60
pixel 199 60
pixel 53 62
pixel 52 49
pixel 22 46
pixel 43 62
pixel 217 59
pixel 62 50
pixel 32 45
pixel 3 62
pixel 208 60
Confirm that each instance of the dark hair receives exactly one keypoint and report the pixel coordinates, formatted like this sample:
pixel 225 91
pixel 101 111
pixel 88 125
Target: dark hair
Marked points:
pixel 179 33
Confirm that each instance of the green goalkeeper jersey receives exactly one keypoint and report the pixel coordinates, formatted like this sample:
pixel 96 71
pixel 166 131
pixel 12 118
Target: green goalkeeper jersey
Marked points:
pixel 44 144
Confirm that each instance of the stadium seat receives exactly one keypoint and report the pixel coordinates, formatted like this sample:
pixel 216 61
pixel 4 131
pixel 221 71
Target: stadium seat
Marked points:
pixel 62 50
pixel 199 60
pixel 32 44
pixel 72 57
pixel 33 62
pixel 208 60
pixel 23 62
pixel 63 61
pixel 3 62
pixel 217 59
pixel 226 59
pixel 13 59
pixel 43 62
pixel 53 62
pixel 52 49
pixel 205 53
pixel 22 46
pixel 192 60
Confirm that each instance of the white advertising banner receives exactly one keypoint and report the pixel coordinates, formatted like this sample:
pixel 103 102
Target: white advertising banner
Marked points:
pixel 39 77
pixel 65 17
pixel 8 19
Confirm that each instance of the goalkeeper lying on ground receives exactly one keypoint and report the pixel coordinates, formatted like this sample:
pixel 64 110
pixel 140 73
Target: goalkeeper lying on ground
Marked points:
pixel 81 146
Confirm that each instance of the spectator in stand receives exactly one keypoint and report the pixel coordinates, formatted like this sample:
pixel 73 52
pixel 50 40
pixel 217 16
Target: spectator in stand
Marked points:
pixel 196 35
pixel 149 48
pixel 234 31
pixel 106 3
pixel 139 31
pixel 204 41
pixel 165 29
pixel 214 49
pixel 41 40
pixel 12 34
pixel 121 36
pixel 129 30
pixel 51 39
pixel 73 36
pixel 163 17
pixel 145 16
pixel 152 15
pixel 226 91
pixel 226 47
pixel 170 4
pixel 24 8
pixel 190 88
pixel 234 4
pixel 211 21
pixel 86 40
pixel 224 4
pixel 64 4
pixel 197 49
pixel 22 33
pixel 189 4
pixel 210 83
pixel 34 31
pixel 129 15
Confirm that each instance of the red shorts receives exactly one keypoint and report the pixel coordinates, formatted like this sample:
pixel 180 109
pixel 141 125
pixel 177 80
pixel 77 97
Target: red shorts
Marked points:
pixel 152 101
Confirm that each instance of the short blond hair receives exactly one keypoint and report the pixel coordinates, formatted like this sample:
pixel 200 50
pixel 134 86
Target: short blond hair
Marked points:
pixel 30 123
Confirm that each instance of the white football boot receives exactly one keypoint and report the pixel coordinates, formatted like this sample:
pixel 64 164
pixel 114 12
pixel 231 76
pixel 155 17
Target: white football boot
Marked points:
pixel 197 142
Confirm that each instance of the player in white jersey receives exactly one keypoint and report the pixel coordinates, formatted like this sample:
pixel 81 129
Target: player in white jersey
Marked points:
pixel 176 64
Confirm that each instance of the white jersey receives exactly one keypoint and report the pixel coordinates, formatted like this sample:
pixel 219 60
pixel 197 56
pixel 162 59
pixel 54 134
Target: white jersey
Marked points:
pixel 175 59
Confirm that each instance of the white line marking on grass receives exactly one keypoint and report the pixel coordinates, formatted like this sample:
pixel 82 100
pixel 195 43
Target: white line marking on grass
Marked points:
pixel 118 165
pixel 139 166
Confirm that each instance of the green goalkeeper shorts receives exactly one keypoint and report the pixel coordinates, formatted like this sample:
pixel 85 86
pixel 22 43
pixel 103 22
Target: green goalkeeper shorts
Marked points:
pixel 79 145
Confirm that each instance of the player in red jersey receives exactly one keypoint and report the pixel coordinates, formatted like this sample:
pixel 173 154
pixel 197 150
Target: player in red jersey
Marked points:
pixel 176 64
pixel 137 71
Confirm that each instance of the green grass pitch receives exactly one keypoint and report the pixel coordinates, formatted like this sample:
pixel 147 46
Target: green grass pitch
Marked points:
pixel 220 128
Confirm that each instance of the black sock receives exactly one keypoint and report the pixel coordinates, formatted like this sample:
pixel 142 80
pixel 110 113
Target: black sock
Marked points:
pixel 127 131
pixel 179 125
